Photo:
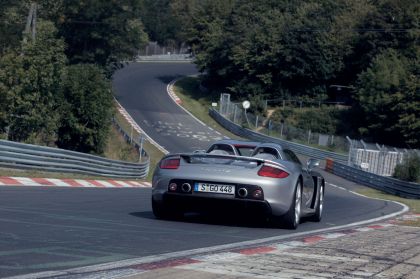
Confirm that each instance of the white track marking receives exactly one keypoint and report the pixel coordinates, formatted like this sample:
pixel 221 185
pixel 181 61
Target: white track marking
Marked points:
pixel 161 148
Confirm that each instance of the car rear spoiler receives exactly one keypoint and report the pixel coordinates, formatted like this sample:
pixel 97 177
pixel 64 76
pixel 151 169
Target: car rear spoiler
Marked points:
pixel 188 156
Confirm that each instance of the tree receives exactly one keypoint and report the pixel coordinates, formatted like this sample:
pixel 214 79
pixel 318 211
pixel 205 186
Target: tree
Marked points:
pixel 100 32
pixel 389 99
pixel 386 24
pixel 87 110
pixel 30 83
pixel 276 48
pixel 12 23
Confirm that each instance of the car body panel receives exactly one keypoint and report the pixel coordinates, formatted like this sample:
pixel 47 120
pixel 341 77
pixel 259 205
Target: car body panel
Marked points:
pixel 242 172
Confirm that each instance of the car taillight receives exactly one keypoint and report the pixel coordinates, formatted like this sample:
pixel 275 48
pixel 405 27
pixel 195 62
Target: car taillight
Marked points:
pixel 269 171
pixel 170 163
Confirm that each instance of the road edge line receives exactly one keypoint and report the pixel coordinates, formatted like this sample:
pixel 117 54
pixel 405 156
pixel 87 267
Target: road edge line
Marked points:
pixel 158 146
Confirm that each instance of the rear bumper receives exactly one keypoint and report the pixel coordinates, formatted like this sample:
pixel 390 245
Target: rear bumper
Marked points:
pixel 215 204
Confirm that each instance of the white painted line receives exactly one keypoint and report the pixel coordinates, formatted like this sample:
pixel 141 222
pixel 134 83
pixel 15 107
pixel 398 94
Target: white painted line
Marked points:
pixel 161 148
pixel 169 88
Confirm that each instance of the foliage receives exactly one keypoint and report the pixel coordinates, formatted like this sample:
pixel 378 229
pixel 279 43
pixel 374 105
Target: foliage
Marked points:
pixel 324 120
pixel 389 99
pixel 300 49
pixel 12 23
pixel 87 110
pixel 101 32
pixel 30 83
pixel 409 169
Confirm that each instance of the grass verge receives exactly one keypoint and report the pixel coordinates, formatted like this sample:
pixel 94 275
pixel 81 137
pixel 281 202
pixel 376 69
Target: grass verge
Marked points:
pixel 412 203
pixel 154 153
pixel 198 102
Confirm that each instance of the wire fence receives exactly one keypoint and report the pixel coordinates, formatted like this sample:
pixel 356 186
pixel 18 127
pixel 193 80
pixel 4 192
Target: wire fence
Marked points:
pixel 238 115
pixel 153 48
pixel 373 158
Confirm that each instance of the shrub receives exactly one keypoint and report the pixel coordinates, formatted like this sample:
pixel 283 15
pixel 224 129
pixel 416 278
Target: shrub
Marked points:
pixel 409 169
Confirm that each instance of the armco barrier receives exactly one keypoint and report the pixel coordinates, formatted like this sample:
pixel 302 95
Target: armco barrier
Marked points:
pixel 335 163
pixel 28 156
pixel 296 147
pixel 383 183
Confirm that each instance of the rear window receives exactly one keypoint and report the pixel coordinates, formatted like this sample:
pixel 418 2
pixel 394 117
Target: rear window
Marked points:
pixel 245 150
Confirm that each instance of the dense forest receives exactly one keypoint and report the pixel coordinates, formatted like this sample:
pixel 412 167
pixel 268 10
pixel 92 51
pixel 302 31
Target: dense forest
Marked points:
pixel 365 52
pixel 307 50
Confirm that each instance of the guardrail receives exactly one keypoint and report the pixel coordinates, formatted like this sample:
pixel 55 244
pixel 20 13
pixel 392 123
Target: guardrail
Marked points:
pixel 336 163
pixel 296 147
pixel 383 183
pixel 28 156
pixel 165 57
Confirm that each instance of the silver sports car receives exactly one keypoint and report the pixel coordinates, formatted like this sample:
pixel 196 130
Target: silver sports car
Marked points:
pixel 271 181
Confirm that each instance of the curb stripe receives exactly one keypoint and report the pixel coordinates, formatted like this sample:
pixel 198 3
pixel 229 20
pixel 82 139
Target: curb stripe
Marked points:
pixel 94 182
pixel 313 239
pixel 43 181
pixel 26 181
pixel 72 182
pixel 58 182
pixel 258 250
pixel 66 182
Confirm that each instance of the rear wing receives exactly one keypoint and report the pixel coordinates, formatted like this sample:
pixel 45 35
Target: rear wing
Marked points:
pixel 197 158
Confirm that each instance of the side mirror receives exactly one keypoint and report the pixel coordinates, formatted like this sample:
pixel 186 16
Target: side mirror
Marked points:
pixel 199 151
pixel 312 163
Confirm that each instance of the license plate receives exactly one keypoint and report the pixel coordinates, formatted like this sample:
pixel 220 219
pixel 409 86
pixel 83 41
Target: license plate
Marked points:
pixel 214 188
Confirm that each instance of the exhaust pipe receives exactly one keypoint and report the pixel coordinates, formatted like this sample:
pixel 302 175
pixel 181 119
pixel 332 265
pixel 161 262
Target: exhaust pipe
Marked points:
pixel 242 192
pixel 186 187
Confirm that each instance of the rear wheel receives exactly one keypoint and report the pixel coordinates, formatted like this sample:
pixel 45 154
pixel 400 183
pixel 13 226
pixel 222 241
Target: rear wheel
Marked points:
pixel 319 207
pixel 292 218
pixel 159 210
pixel 162 211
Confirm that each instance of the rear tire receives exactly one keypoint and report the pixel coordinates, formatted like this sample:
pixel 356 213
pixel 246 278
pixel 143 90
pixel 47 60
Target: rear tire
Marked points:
pixel 291 219
pixel 319 206
pixel 162 211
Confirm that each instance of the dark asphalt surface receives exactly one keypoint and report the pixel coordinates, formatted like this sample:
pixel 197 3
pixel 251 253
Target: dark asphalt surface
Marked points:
pixel 141 90
pixel 59 228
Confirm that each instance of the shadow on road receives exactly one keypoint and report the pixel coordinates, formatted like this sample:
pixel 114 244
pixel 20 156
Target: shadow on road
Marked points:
pixel 168 79
pixel 229 220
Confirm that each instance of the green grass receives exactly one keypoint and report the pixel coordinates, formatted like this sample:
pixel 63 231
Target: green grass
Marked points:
pixel 118 149
pixel 154 153
pixel 414 204
pixel 198 102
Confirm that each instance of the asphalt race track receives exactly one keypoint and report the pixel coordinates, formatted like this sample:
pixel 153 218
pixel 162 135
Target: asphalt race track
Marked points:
pixel 141 90
pixel 53 228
